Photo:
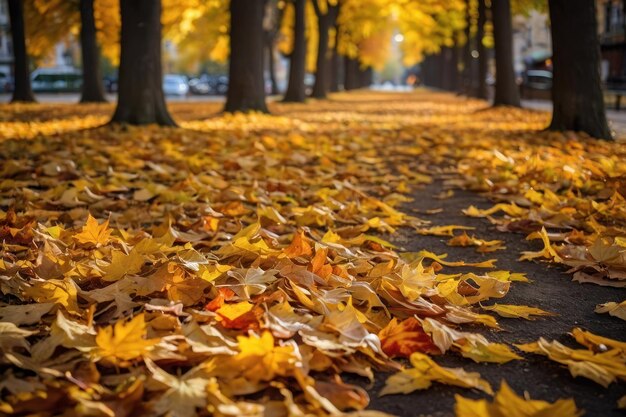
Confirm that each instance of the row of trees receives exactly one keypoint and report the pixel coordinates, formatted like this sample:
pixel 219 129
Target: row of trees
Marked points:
pixel 577 92
pixel 317 35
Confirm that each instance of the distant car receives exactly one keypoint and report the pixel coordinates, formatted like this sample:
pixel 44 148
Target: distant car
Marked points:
pixel 200 86
pixel 56 80
pixel 221 84
pixel 536 84
pixel 175 85
pixel 111 84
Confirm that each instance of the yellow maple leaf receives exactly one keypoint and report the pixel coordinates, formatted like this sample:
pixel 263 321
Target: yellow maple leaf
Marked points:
pixel 447 230
pixel 603 368
pixel 513 311
pixel 260 360
pixel 62 292
pixel 95 233
pixel 440 259
pixel 425 371
pixel 124 341
pixel 511 209
pixel 547 252
pixel 482 351
pixel 232 311
pixel 508 403
pixel 123 264
pixel 596 342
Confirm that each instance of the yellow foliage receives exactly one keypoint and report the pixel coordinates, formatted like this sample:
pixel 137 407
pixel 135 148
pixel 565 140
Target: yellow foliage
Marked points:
pixel 124 341
pixel 507 402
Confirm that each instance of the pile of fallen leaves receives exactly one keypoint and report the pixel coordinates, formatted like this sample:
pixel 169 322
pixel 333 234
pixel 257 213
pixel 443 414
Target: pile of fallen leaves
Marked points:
pixel 240 266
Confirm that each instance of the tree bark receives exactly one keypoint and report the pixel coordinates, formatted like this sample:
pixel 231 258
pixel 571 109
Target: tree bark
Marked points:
pixel 351 74
pixel 22 90
pixel 297 63
pixel 480 90
pixel 140 97
pixel 433 70
pixel 427 70
pixel 507 91
pixel 577 92
pixel 335 64
pixel 466 74
pixel 449 68
pixel 322 70
pixel 366 77
pixel 92 89
pixel 246 85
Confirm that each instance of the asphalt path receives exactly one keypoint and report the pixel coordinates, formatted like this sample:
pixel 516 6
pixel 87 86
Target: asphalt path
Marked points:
pixel 551 289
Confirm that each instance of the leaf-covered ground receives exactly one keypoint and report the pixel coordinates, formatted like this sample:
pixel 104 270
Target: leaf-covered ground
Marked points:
pixel 271 265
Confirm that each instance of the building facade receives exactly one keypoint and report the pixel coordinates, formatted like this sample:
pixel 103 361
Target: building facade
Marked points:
pixel 532 42
pixel 6 50
pixel 611 30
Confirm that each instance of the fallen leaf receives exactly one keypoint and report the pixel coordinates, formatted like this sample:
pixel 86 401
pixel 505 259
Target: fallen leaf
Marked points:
pixel 507 403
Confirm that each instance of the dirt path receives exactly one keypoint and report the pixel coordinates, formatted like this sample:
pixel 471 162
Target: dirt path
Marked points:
pixel 551 289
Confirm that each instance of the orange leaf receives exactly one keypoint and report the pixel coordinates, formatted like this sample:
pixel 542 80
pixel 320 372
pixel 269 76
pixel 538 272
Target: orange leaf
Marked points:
pixel 319 266
pixel 405 338
pixel 299 246
pixel 240 316
pixel 223 294
pixel 93 232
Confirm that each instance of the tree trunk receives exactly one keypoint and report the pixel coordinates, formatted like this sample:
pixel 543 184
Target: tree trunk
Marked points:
pixel 246 85
pixel 458 74
pixel 140 93
pixel 297 62
pixel 335 64
pixel 434 65
pixel 92 89
pixel 351 74
pixel 22 90
pixel 576 92
pixel 481 81
pixel 366 77
pixel 507 91
pixel 322 63
pixel 426 70
pixel 449 69
pixel 466 75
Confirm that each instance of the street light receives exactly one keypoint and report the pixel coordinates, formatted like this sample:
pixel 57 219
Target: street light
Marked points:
pixel 398 38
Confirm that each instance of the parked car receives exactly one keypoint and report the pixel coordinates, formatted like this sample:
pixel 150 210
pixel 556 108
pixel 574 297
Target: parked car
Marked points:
pixel 175 85
pixel 536 84
pixel 200 85
pixel 110 84
pixel 220 83
pixel 6 83
pixel 56 80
